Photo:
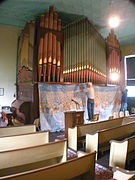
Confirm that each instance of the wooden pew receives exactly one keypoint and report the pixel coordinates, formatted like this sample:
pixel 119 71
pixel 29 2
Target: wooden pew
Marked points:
pixel 83 167
pixel 10 131
pixel 21 160
pixel 100 140
pixel 80 131
pixel 128 119
pixel 122 152
pixel 23 141
pixel 123 174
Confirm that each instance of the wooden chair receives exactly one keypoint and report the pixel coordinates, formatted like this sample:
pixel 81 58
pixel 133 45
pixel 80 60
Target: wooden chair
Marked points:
pixel 15 122
pixel 110 117
pixel 96 117
pixel 37 123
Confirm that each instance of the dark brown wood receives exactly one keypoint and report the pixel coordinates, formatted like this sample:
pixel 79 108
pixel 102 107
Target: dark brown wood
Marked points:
pixel 73 118
pixel 27 89
pixel 42 60
pixel 113 56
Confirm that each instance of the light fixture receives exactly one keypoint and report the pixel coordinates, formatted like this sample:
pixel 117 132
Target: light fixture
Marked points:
pixel 114 22
pixel 114 76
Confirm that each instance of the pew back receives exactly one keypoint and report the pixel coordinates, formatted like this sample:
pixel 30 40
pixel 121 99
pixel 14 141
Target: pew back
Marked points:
pixel 115 133
pixel 101 138
pixel 128 120
pixel 10 131
pixel 96 126
pixel 65 170
pixel 82 130
pixel 23 141
pixel 32 157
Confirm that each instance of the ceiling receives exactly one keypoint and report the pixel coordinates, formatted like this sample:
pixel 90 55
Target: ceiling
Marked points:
pixel 18 12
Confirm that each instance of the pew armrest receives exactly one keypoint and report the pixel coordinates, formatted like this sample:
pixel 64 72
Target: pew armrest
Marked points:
pixel 119 173
pixel 81 153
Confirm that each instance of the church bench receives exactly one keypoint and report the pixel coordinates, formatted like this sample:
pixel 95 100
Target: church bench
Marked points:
pixel 81 167
pixel 123 174
pixel 9 131
pixel 122 152
pixel 99 141
pixel 128 119
pixel 79 132
pixel 23 141
pixel 21 160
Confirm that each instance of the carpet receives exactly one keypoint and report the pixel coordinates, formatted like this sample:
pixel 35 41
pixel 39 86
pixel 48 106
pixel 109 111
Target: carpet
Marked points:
pixel 102 173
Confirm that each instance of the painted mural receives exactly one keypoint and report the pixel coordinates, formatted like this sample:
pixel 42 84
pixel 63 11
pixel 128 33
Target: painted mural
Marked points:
pixel 54 100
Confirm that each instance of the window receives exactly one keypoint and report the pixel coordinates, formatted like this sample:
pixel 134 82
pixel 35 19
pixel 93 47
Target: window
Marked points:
pixel 130 74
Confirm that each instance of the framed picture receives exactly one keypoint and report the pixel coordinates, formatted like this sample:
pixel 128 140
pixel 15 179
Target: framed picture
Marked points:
pixel 1 91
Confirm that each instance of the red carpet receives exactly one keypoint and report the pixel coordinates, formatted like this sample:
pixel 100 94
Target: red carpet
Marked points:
pixel 102 173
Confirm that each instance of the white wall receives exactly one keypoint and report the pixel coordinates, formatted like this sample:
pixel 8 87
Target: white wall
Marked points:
pixel 8 57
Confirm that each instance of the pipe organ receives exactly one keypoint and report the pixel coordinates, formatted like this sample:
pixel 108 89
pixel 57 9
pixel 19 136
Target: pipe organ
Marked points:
pixel 50 47
pixel 47 53
pixel 113 59
pixel 84 53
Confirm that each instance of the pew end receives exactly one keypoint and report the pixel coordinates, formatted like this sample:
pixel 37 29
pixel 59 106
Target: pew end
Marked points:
pixel 72 138
pixel 92 143
pixel 118 153
pixel 123 174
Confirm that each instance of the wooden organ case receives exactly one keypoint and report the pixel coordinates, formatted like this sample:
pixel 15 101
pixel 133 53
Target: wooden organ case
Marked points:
pixel 39 59
pixel 113 58
pixel 27 88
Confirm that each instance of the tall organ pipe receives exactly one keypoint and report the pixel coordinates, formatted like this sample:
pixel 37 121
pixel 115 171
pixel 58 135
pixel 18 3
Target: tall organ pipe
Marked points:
pixel 54 47
pixel 40 50
pixel 45 46
pixel 50 43
pixel 84 56
pixel 58 52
